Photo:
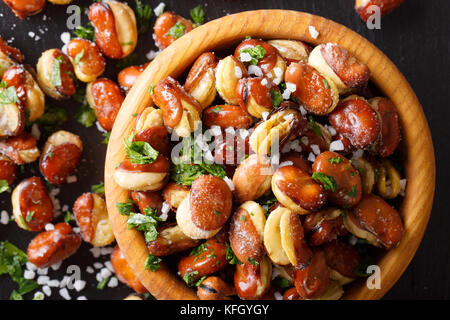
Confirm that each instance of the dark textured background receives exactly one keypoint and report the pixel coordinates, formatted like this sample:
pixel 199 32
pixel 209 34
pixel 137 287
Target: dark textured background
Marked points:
pixel 415 37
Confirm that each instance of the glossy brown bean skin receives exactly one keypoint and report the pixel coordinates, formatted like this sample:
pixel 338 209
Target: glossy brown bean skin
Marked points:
pixel 324 230
pixel 162 26
pixel 291 294
pixel 145 199
pixel 268 62
pixel 300 188
pixel 342 257
pixel 160 165
pixel 349 188
pixel 128 76
pixel 231 150
pixel 298 161
pixel 102 18
pixel 59 162
pixel 311 89
pixel 163 246
pixel 204 62
pixel 50 247
pixel 16 76
pixel 33 197
pixel 82 210
pixel 253 88
pixel 10 52
pixel 124 272
pixel 91 62
pixel 214 288
pixel 247 279
pixel 386 6
pixel 67 87
pixel 355 119
pixel 390 126
pixel 311 282
pixel 312 138
pixel 107 99
pixel 210 202
pixel 25 8
pixel 8 170
pixel 226 116
pixel 209 261
pixel 12 146
pixel 157 137
pixel 375 215
pixel 246 242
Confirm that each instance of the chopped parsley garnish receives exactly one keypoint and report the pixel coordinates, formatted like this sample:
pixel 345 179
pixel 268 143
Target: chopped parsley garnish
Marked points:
pixel 243 217
pixel 52 119
pixel 328 182
pixel 125 208
pixel 152 263
pixel 199 282
pixel 3 186
pixel 98 188
pixel 230 256
pixel 68 217
pixel 197 251
pixel 326 84
pixel 56 71
pixel 352 192
pixel 101 285
pixel 87 33
pixel 50 155
pixel 217 212
pixel 198 15
pixel 86 116
pixel 139 152
pixel 217 109
pixel 78 57
pixel 147 222
pixel 277 97
pixel 30 215
pixel 177 31
pixel 253 262
pixel 9 96
pixel 189 277
pixel 281 283
pixel 150 90
pixel 314 126
pixel 335 160
pixel 3 84
pixel 143 15
pixel 106 136
pixel 255 53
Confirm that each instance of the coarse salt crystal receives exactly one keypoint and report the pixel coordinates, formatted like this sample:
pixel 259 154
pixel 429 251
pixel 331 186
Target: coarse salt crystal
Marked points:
pixel 264 82
pixel 98 265
pixel 4 219
pixel 245 57
pixel 165 208
pixel 105 273
pixel 291 86
pixel 95 252
pixel 303 110
pixel 152 54
pixel 357 154
pixel 65 294
pixel 304 140
pixel 89 269
pixel 313 32
pixel 65 208
pixel 255 70
pixel 113 282
pixel 76 230
pixel 81 298
pixel 237 72
pixel 71 179
pixel 278 75
pixel 109 265
pixel 49 226
pixel 403 183
pixel 31 34
pixel 106 250
pixel 311 157
pixel 47 291
pixel 159 9
pixel 331 129
pixel 65 37
pixel 278 296
pixel 285 163
pixel 31 266
pixel 315 148
pixel 336 146
pixel 216 130
pixel 79 285
pixel 29 274
pixel 54 283
pixel 264 115
pixel 352 240
pixel 41 280
pixel 42 271
pixel 286 94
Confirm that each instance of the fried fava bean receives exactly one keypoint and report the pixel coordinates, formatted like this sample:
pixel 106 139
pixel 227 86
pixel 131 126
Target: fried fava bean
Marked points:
pixel 365 7
pixel 115 28
pixel 228 72
pixel 124 272
pixel 174 193
pixel 169 27
pixel 376 221
pixel 170 240
pixel 324 226
pixel 230 149
pixel 128 76
pixel 226 116
pixel 313 280
pixel 297 191
pixel 86 58
pixel 60 156
pixel 388 183
pixel 206 209
pixel 390 126
pixel 316 138
pixel 342 259
pixel 340 66
pixel 150 128
pixel 292 50
pixel 181 111
pixel 316 92
pixel 214 288
pixel 21 149
pixel 270 61
pixel 25 8
pixel 252 178
pixel 339 177
pixel 147 199
pixel 246 232
pixel 28 91
pixel 8 170
pixel 201 80
pixel 256 95
pixel 208 258
pixel 105 97
pixel 32 206
pixel 355 119
pixel 252 281
pixel 53 246
pixel 8 56
pixel 272 237
pixel 92 218
pixel 298 161
pixel 12 118
pixel 142 177
pixel 55 74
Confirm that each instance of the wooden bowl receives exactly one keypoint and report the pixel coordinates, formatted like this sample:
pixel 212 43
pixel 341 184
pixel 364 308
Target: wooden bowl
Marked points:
pixel 281 24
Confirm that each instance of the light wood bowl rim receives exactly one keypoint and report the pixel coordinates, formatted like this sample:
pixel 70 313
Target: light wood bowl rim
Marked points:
pixel 281 24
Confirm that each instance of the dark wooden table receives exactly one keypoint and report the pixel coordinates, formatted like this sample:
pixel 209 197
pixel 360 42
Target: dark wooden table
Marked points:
pixel 416 37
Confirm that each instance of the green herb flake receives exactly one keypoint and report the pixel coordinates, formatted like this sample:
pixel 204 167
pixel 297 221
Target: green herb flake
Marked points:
pixel 253 262
pixel 326 84
pixel 3 186
pixel 230 256
pixel 98 188
pixel 281 283
pixel 335 160
pixel 255 53
pixel 217 212
pixel 3 84
pixel 139 152
pixel 198 15
pixel 9 96
pixel 56 80
pixel 68 217
pixel 189 277
pixel 106 136
pixel 150 90
pixel 30 215
pixel 199 282
pixel 78 57
pixel 143 15
pixel 328 182
pixel 147 223
pixel 87 33
pixel 102 284
pixel 152 263
pixel 277 97
pixel 125 208
pixel 217 109
pixel 314 126
pixel 177 31
pixel 352 192
pixel 86 116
